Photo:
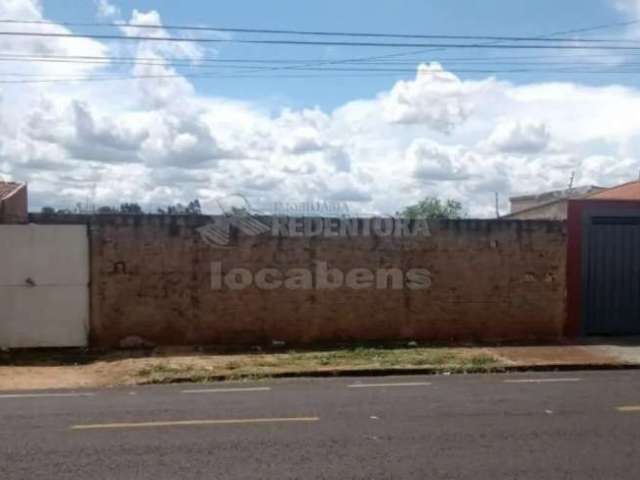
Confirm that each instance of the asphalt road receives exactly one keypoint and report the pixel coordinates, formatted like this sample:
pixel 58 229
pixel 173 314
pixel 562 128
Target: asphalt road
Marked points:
pixel 577 425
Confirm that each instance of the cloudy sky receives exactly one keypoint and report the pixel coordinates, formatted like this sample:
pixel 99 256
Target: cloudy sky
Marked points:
pixel 108 120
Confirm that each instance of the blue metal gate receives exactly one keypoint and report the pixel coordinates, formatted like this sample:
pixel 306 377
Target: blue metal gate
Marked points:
pixel 611 275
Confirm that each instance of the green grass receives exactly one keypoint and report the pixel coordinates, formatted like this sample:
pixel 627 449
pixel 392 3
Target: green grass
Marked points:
pixel 207 368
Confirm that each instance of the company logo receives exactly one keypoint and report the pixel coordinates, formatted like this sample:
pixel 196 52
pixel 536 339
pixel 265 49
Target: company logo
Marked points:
pixel 319 277
pixel 238 213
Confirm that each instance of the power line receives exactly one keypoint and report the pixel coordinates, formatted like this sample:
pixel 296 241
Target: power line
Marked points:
pixel 422 51
pixel 290 60
pixel 261 65
pixel 323 33
pixel 566 58
pixel 254 63
pixel 549 35
pixel 284 64
pixel 351 73
pixel 334 43
pixel 537 38
pixel 341 61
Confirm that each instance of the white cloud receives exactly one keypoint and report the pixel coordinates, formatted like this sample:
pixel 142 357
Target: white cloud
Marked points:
pixel 159 140
pixel 84 135
pixel 433 162
pixel 631 7
pixel 524 137
pixel 302 140
pixel 31 10
pixel 107 10
pixel 23 9
pixel 151 26
pixel 160 85
pixel 436 98
pixel 181 141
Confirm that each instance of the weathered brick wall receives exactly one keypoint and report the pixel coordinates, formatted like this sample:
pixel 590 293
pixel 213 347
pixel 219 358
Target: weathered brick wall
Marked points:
pixel 490 280
pixel 14 208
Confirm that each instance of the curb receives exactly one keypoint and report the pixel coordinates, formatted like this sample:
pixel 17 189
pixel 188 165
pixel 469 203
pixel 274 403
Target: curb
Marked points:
pixel 384 372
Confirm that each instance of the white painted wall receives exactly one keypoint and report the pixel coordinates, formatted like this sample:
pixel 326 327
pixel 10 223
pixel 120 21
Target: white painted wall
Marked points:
pixel 54 311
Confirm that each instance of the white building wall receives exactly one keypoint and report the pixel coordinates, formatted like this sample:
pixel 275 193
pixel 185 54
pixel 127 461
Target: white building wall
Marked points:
pixel 550 211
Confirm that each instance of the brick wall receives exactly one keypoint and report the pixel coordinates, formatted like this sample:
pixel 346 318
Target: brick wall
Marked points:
pixel 489 280
pixel 13 209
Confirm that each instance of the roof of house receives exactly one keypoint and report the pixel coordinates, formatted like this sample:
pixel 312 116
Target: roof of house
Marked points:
pixel 559 194
pixel 537 206
pixel 9 188
pixel 625 191
pixel 546 199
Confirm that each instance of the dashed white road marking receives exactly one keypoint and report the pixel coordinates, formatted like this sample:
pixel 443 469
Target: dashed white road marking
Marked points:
pixel 228 390
pixel 541 380
pixel 192 423
pixel 45 395
pixel 629 408
pixel 374 385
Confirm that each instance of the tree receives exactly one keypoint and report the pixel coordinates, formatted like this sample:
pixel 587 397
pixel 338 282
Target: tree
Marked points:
pixel 48 211
pixel 131 208
pixel 193 208
pixel 106 210
pixel 434 208
pixel 177 209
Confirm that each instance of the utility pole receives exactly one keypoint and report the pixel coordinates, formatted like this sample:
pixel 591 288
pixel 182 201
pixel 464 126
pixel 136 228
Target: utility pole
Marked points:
pixel 497 205
pixel 94 188
pixel 573 175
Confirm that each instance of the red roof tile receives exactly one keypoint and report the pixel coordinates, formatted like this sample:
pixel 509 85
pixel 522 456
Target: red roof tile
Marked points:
pixel 626 191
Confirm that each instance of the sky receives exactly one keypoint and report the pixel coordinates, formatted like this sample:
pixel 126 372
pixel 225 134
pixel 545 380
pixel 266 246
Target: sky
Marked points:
pixel 157 122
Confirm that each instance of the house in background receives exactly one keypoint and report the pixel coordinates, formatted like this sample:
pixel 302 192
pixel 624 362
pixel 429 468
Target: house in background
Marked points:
pixel 553 205
pixel 625 191
pixel 13 202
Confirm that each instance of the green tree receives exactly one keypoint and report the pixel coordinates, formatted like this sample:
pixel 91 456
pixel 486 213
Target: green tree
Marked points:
pixel 132 208
pixel 194 208
pixel 434 208
pixel 177 209
pixel 105 210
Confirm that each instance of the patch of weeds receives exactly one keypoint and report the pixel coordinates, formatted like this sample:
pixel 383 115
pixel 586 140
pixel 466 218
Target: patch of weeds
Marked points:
pixel 300 362
pixel 158 369
pixel 232 365
pixel 249 377
pixel 266 363
pixel 481 360
pixel 162 373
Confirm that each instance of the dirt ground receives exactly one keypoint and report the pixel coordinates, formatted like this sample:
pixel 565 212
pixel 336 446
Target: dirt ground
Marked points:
pixel 69 370
pixel 100 374
pixel 170 366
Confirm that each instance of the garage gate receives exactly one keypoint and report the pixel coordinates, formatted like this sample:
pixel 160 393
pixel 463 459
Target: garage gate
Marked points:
pixel 44 286
pixel 611 274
